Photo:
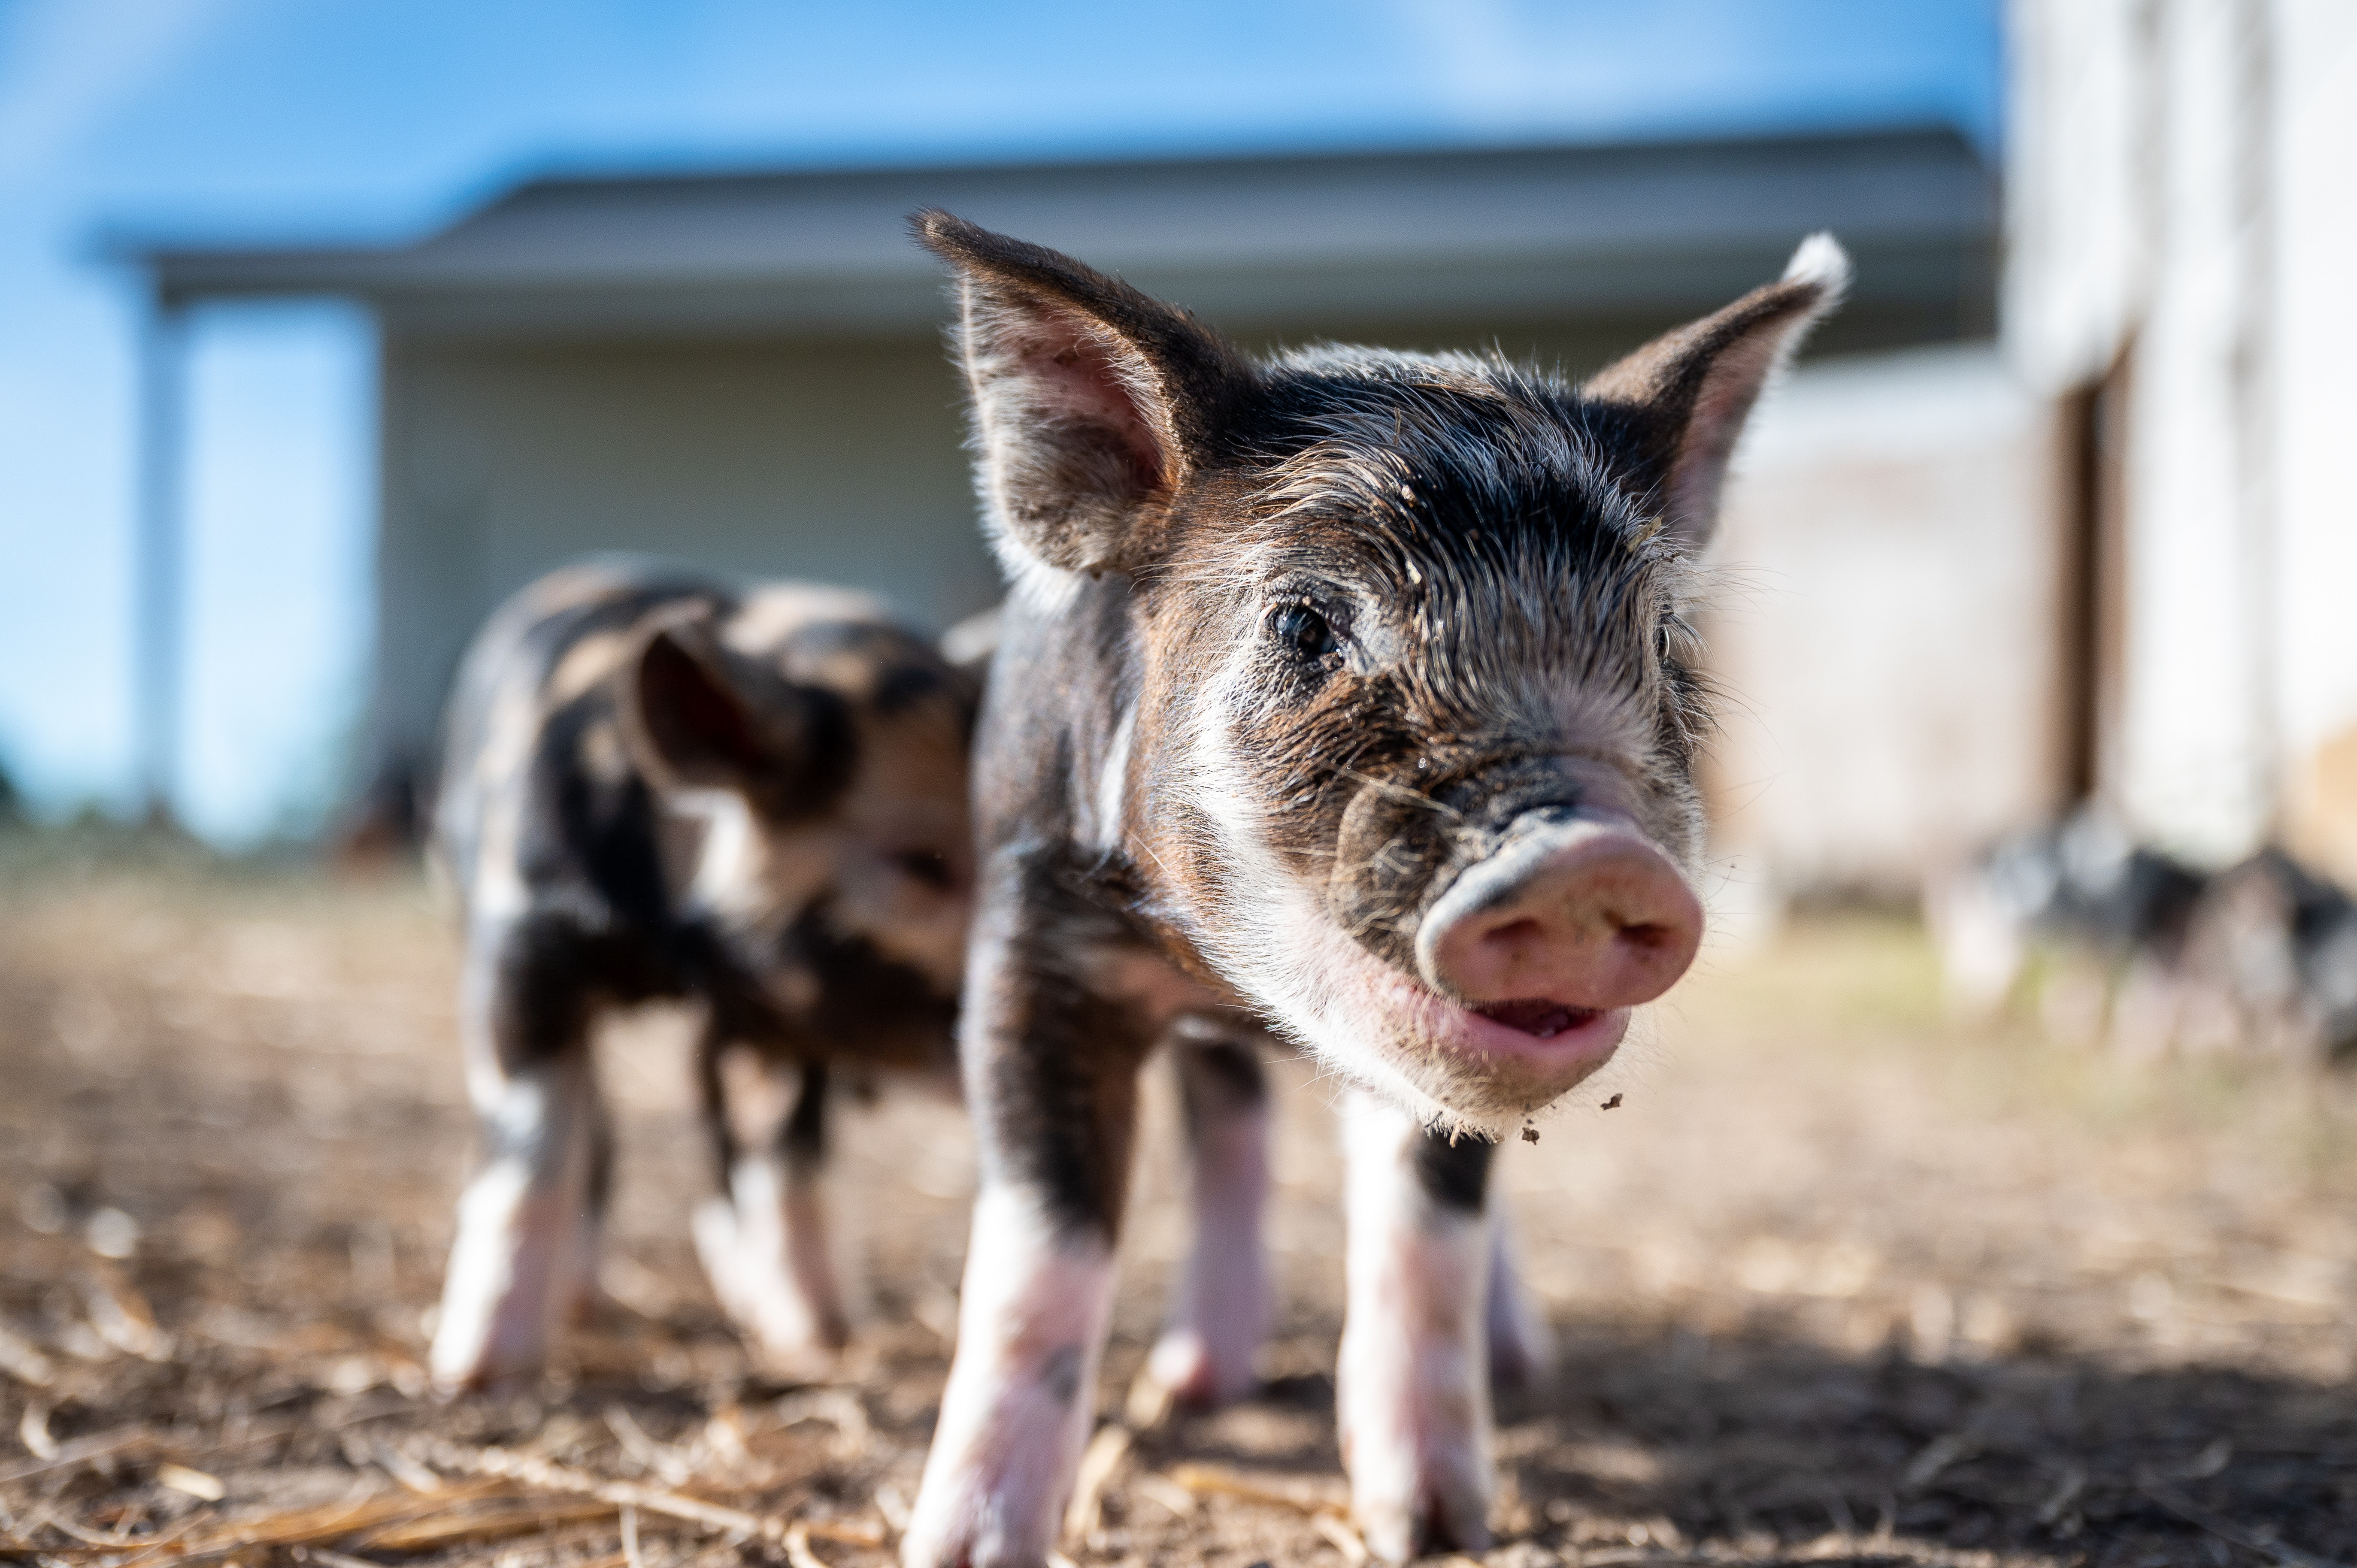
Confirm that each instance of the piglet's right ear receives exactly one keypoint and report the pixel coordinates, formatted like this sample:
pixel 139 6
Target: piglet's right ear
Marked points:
pixel 1677 407
pixel 690 726
pixel 1093 403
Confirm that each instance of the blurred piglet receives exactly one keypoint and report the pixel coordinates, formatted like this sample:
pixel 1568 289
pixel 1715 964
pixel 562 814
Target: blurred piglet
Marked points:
pixel 2080 912
pixel 1347 695
pixel 657 787
pixel 2121 941
pixel 2271 957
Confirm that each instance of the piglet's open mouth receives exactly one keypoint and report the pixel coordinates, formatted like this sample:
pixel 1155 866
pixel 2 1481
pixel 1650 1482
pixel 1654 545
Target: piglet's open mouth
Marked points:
pixel 1538 1016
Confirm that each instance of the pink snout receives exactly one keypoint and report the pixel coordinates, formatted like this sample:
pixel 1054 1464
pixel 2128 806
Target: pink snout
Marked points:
pixel 1571 914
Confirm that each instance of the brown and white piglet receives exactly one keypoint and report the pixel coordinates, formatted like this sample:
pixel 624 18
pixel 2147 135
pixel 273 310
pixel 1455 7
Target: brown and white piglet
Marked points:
pixel 756 800
pixel 1346 695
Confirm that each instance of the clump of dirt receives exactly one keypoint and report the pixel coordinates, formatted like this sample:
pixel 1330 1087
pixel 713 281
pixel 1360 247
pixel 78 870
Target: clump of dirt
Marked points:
pixel 1836 1280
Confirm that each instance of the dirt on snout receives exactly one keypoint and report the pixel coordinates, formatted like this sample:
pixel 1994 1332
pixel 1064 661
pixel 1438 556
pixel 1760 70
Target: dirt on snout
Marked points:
pixel 1839 1281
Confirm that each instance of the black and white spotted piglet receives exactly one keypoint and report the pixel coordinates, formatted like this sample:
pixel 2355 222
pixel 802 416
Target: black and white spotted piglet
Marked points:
pixel 656 786
pixel 1347 695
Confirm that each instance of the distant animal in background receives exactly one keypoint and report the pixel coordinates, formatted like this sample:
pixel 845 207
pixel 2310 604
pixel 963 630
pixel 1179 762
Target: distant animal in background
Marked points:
pixel 2089 922
pixel 2272 952
pixel 655 785
pixel 2118 940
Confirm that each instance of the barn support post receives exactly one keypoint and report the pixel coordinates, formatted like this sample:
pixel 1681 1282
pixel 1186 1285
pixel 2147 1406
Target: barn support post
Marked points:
pixel 159 600
pixel 2252 372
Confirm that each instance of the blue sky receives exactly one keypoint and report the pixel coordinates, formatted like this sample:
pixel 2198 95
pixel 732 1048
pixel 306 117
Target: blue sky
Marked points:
pixel 363 118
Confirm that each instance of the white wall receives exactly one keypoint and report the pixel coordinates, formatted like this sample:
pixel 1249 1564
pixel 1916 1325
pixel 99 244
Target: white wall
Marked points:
pixel 2315 420
pixel 1884 625
pixel 838 462
pixel 2195 733
pixel 2180 192
pixel 2076 218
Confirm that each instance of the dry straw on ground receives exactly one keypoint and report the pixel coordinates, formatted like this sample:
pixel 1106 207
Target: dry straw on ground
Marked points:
pixel 1839 1282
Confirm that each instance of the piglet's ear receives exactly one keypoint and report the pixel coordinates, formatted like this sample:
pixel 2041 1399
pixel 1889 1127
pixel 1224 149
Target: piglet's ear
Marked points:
pixel 1675 409
pixel 691 723
pixel 1092 403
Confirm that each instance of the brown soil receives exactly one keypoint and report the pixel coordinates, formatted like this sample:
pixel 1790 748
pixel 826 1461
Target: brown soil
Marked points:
pixel 1837 1281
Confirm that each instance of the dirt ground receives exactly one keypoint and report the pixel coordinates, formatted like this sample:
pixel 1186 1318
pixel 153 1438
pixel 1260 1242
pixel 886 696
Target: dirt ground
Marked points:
pixel 1838 1281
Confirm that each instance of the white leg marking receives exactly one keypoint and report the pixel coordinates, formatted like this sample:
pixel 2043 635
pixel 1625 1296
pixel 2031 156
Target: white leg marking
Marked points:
pixel 1413 1387
pixel 1022 1391
pixel 766 1248
pixel 524 1232
pixel 765 1244
pixel 1219 1314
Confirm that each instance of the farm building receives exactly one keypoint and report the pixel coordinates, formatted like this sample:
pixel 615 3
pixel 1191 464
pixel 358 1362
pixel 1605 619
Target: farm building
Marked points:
pixel 745 372
pixel 2179 233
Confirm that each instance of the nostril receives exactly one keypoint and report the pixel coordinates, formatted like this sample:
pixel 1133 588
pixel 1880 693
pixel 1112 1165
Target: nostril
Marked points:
pixel 1651 934
pixel 1513 932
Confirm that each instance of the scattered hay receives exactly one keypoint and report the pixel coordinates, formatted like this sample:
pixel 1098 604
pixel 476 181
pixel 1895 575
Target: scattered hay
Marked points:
pixel 1853 1286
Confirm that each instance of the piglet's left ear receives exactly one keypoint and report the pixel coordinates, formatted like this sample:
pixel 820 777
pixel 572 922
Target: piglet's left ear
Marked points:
pixel 1673 410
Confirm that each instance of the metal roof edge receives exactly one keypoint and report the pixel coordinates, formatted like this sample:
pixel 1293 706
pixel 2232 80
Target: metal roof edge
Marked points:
pixel 191 269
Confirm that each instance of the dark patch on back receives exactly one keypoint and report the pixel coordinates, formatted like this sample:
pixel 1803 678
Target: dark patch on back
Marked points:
pixel 908 685
pixel 898 670
pixel 829 758
pixel 891 1008
pixel 586 825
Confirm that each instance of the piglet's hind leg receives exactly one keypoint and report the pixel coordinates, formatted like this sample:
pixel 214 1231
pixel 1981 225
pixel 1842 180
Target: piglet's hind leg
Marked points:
pixel 1221 1312
pixel 764 1240
pixel 1521 1344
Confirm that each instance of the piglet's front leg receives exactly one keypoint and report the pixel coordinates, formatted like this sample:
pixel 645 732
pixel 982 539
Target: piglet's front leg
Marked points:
pixel 1021 1395
pixel 526 1249
pixel 1413 1394
pixel 1052 1074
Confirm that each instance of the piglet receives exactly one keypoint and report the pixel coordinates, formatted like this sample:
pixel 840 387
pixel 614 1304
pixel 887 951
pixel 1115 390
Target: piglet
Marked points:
pixel 754 799
pixel 1347 695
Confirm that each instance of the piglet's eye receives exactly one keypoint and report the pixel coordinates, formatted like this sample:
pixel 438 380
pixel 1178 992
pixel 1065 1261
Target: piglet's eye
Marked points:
pixel 1305 631
pixel 930 866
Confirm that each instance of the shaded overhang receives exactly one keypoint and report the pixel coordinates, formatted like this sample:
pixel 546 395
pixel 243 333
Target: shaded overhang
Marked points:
pixel 1646 230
